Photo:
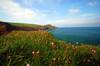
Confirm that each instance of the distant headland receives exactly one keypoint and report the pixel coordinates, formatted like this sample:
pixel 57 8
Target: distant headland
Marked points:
pixel 6 27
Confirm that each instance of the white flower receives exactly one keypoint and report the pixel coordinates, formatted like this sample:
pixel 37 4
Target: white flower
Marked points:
pixel 33 52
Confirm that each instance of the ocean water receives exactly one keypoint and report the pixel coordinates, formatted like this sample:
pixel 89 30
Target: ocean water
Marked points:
pixel 87 35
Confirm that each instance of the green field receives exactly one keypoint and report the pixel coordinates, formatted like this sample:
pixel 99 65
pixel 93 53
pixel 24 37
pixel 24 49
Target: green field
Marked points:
pixel 40 48
pixel 24 25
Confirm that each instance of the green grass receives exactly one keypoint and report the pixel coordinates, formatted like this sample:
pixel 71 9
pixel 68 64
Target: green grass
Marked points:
pixel 24 25
pixel 19 48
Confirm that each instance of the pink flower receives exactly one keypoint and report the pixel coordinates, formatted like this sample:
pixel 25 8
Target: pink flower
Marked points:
pixel 93 50
pixel 28 65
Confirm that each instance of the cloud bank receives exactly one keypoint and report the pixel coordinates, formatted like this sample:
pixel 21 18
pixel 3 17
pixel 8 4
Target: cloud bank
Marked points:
pixel 18 13
pixel 50 12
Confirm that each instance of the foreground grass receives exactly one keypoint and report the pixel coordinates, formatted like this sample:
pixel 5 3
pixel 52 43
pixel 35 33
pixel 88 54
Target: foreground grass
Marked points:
pixel 39 48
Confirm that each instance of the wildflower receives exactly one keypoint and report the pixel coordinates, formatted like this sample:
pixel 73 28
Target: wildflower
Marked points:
pixel 33 52
pixel 93 50
pixel 38 52
pixel 9 57
pixel 28 65
pixel 69 60
pixel 54 59
pixel 88 60
pixel 77 43
pixel 53 45
pixel 72 46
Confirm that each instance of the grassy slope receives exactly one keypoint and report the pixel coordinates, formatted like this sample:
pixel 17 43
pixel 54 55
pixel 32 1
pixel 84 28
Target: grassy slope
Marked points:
pixel 24 25
pixel 19 48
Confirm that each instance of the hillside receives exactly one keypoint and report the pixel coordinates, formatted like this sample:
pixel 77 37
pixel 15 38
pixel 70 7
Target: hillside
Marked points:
pixel 40 48
pixel 6 27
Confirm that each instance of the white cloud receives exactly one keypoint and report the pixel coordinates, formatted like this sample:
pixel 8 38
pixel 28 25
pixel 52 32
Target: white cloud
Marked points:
pixel 50 4
pixel 18 13
pixel 77 22
pixel 92 3
pixel 89 14
pixel 48 1
pixel 73 11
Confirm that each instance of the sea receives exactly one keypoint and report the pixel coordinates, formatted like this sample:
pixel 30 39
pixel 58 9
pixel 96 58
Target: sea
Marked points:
pixel 80 35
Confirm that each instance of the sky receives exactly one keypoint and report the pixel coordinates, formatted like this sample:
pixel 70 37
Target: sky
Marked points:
pixel 61 13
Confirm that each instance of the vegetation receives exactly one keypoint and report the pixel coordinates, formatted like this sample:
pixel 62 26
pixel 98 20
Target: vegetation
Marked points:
pixel 35 26
pixel 4 27
pixel 40 48
pixel 25 25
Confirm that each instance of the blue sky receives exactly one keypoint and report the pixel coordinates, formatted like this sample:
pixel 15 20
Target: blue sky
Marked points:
pixel 62 13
